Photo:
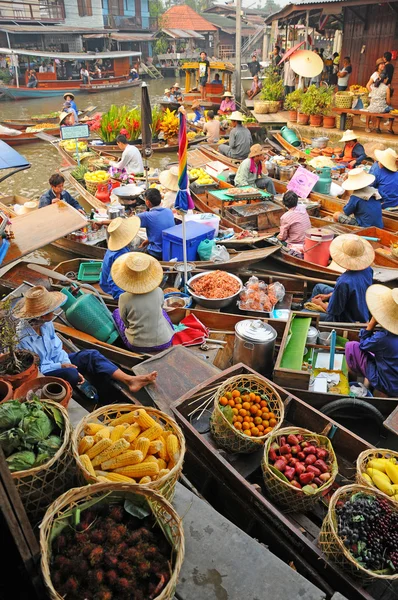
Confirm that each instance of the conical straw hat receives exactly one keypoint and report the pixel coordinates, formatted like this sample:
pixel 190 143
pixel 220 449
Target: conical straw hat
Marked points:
pixel 348 136
pixel 383 306
pixel 38 302
pixel 306 63
pixel 29 207
pixel 388 158
pixel 137 273
pixel 122 232
pixel 236 116
pixel 352 252
pixel 357 180
pixel 169 178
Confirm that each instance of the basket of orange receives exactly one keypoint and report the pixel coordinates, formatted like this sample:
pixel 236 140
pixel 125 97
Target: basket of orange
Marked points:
pixel 247 408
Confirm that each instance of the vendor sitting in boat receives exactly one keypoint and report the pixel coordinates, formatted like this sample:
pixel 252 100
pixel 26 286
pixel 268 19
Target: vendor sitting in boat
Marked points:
pixel 38 336
pixel 345 303
pixel 131 161
pixel 386 176
pixel 155 220
pixel 177 92
pixel 251 172
pixel 69 97
pixel 66 119
pixel 67 107
pixel 57 193
pixel 375 356
pixel 121 233
pixel 133 74
pixel 293 224
pixel 227 105
pixel 353 153
pixel 167 96
pixel 140 319
pixel 169 181
pixel 364 206
pixel 211 128
pixel 197 111
pixel 240 138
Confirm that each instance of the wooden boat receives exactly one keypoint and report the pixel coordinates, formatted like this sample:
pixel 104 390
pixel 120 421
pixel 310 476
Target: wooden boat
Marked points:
pixel 108 86
pixel 26 138
pixel 213 92
pixel 292 150
pixel 234 484
pixel 157 147
pixel 32 121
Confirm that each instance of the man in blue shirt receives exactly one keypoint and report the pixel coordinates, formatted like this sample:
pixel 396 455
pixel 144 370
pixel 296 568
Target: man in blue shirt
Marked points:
pixel 57 193
pixel 155 220
pixel 69 97
pixel 121 234
pixel 386 176
pixel 364 206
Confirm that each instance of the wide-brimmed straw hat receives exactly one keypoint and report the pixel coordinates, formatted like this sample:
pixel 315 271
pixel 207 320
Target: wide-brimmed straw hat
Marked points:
pixel 69 94
pixel 237 116
pixel 63 116
pixel 37 302
pixel 352 252
pixel 383 306
pixel 228 95
pixel 137 273
pixel 306 63
pixel 122 232
pixel 177 85
pixel 256 150
pixel 371 147
pixel 388 158
pixel 195 103
pixel 169 178
pixel 166 91
pixel 357 180
pixel 348 136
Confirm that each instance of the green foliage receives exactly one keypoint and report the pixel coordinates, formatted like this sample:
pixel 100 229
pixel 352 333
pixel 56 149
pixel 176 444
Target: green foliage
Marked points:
pixel 293 100
pixel 5 75
pixel 272 89
pixel 316 101
pixel 161 44
pixel 9 337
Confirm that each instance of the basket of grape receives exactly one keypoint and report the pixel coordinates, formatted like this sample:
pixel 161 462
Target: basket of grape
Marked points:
pixel 360 533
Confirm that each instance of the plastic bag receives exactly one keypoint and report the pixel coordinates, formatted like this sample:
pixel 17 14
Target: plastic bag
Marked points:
pixel 276 291
pixel 219 254
pixel 205 249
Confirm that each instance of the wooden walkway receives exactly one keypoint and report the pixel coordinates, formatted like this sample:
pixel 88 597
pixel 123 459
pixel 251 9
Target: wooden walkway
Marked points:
pixel 280 118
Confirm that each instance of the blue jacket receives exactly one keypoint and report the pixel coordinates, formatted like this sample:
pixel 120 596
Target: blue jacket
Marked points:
pixel 387 183
pixel 367 212
pixel 382 369
pixel 347 303
pixel 156 221
pixel 49 196
pixel 106 282
pixel 47 346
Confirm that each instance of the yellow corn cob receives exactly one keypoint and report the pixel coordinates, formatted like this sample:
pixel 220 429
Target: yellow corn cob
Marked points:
pixel 85 444
pixel 133 427
pixel 131 457
pixel 138 471
pixel 142 444
pixel 145 480
pixel 144 420
pixel 87 464
pixel 163 452
pixel 114 450
pixel 152 433
pixel 155 446
pixel 126 418
pixel 111 476
pixel 98 448
pixel 102 479
pixel 173 448
pixel 162 464
pixel 151 458
pixel 93 428
pixel 102 434
pixel 117 432
pixel 163 472
pixel 132 432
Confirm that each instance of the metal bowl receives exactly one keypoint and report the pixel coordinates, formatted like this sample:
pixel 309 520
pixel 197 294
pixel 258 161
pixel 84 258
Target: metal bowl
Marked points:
pixel 214 303
pixel 320 142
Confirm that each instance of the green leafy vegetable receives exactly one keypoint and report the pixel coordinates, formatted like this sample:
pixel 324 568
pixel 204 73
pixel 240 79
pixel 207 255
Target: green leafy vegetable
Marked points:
pixel 20 461
pixel 11 440
pixel 50 445
pixel 227 412
pixel 37 427
pixel 11 414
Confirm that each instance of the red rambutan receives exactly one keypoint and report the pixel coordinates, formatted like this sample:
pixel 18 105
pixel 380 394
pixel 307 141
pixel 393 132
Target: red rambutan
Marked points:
pixel 95 578
pixel 125 568
pixel 87 549
pixel 79 565
pixel 120 549
pixel 103 594
pixel 117 513
pixel 82 538
pixel 151 551
pixel 112 577
pixel 71 585
pixel 96 556
pixel 62 562
pixel 97 536
pixel 56 578
pixel 133 555
pixel 123 584
pixel 110 561
pixel 144 568
pixel 60 543
pixel 117 534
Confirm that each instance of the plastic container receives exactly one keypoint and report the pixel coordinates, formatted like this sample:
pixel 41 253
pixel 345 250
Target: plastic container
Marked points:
pixel 205 219
pixel 316 246
pixel 172 246
pixel 86 313
pixel 290 136
pixel 89 271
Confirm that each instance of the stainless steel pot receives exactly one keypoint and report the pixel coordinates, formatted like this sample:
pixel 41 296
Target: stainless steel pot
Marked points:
pixel 115 211
pixel 255 345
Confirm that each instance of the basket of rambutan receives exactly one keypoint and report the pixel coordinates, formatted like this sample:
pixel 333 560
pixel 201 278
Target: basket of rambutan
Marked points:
pixel 111 540
pixel 130 444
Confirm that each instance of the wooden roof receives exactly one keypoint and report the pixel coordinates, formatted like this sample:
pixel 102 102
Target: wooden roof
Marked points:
pixel 184 17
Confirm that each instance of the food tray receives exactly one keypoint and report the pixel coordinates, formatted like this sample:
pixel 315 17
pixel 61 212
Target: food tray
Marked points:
pixel 90 271
pixel 202 188
pixel 243 194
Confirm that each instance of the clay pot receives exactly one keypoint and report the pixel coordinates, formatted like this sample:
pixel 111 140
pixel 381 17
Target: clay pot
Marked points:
pixel 30 373
pixel 6 391
pixel 293 116
pixel 316 120
pixel 302 119
pixel 329 122
pixel 64 389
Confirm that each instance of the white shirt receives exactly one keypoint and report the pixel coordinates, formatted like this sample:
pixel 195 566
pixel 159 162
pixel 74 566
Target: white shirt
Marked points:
pixel 169 199
pixel 131 160
pixel 42 69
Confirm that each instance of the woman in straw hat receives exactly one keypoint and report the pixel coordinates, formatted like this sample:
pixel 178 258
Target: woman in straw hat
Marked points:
pixel 240 138
pixel 197 111
pixel 346 301
pixel 121 233
pixel 386 176
pixel 364 206
pixel 375 356
pixel 353 153
pixel 38 336
pixel 251 172
pixel 139 316
pixel 169 181
pixel 69 97
pixel 293 224
pixel 227 105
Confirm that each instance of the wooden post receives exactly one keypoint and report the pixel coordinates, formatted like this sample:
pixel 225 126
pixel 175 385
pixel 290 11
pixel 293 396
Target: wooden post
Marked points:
pixel 238 50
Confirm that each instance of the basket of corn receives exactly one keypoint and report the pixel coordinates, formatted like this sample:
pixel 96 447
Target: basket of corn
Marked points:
pixel 93 179
pixel 111 540
pixel 130 444
pixel 299 467
pixel 378 468
pixel 343 99
pixel 247 408
pixel 360 533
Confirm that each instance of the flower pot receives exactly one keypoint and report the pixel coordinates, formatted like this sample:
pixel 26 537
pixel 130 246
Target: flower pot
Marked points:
pixel 329 122
pixel 30 372
pixel 315 120
pixel 6 391
pixel 293 116
pixel 302 119
pixel 45 384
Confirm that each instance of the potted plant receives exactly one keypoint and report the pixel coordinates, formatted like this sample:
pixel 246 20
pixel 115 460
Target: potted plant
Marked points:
pixel 292 103
pixel 311 106
pixel 272 90
pixel 326 99
pixel 16 365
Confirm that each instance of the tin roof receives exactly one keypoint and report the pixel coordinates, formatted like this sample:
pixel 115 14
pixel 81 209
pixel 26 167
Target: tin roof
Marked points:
pixel 183 34
pixel 301 5
pixel 69 55
pixel 184 17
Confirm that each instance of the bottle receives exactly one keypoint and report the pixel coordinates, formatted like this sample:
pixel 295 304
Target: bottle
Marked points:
pixel 88 390
pixel 312 378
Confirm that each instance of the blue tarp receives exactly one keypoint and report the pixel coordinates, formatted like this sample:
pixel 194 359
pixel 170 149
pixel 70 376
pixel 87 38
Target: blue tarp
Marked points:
pixel 10 158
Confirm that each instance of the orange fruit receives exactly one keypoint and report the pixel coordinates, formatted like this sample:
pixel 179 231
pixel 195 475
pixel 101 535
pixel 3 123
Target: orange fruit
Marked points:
pixel 252 396
pixel 272 422
pixel 254 430
pixel 258 399
pixel 235 411
pixel 253 409
pixel 246 419
pixel 228 395
pixel 268 416
pixel 272 415
pixel 257 420
pixel 240 419
pixel 246 405
pixel 261 428
pixel 245 426
pixel 233 419
pixel 231 402
pixel 238 406
pixel 238 425
pixel 267 430
pixel 248 432
pixel 223 401
pixel 246 397
pixel 242 412
pixel 235 394
pixel 266 423
pixel 263 403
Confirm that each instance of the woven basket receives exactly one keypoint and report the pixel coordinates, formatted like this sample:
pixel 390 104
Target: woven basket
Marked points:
pixel 292 499
pixel 348 123
pixel 368 455
pixel 273 106
pixel 92 186
pixel 162 510
pixel 224 432
pixel 343 99
pixel 165 485
pixel 261 107
pixel 38 487
pixel 332 545
pixel 394 250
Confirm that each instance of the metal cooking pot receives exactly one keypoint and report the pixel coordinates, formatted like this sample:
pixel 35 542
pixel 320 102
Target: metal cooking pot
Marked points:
pixel 320 142
pixel 255 345
pixel 115 211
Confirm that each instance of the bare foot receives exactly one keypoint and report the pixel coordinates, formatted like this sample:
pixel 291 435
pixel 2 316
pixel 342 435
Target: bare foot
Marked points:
pixel 141 381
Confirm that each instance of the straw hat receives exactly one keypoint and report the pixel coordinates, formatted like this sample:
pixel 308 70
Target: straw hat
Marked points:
pixel 63 116
pixel 195 103
pixel 383 306
pixel 236 116
pixel 357 179
pixel 169 178
pixel 177 85
pixel 256 150
pixel 388 158
pixel 29 207
pixel 69 94
pixel 348 136
pixel 228 95
pixel 166 91
pixel 371 147
pixel 122 232
pixel 352 252
pixel 379 61
pixel 137 273
pixel 306 63
pixel 38 302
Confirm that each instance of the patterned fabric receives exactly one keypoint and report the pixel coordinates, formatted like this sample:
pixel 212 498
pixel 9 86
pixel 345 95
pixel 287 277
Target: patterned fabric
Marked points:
pixel 378 103
pixel 294 224
pixel 121 329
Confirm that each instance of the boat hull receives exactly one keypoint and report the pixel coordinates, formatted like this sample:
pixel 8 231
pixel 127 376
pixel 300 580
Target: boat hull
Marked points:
pixel 26 138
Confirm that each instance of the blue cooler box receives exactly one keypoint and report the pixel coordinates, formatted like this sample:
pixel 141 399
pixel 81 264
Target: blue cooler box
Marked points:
pixel 172 240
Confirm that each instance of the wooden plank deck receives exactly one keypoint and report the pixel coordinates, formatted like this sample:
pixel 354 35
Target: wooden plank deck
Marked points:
pixel 280 117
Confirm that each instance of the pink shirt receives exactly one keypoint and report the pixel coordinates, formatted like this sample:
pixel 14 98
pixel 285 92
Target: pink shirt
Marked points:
pixel 228 105
pixel 294 223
